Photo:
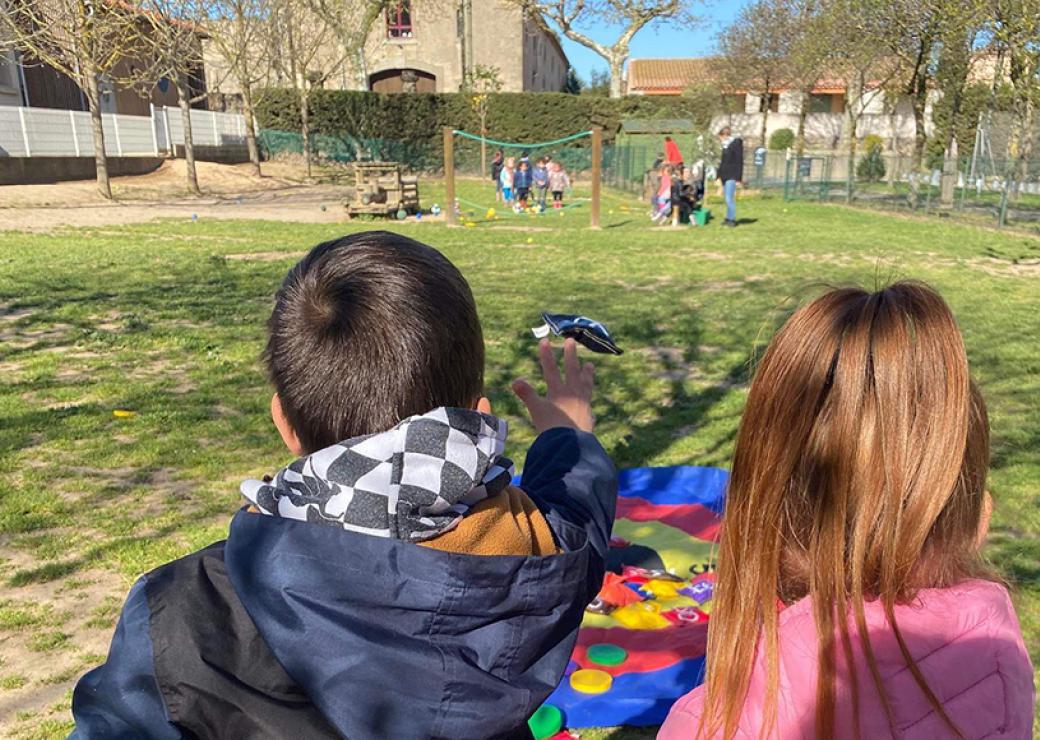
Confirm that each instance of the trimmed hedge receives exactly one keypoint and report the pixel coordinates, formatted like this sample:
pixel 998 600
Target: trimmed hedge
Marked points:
pixel 416 119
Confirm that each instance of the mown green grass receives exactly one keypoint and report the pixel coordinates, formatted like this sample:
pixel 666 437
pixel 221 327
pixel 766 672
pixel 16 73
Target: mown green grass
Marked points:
pixel 166 320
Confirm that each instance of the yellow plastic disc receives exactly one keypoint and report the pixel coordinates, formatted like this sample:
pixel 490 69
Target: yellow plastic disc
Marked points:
pixel 591 681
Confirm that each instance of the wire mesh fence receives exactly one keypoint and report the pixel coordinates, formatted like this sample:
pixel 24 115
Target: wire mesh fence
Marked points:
pixel 1004 192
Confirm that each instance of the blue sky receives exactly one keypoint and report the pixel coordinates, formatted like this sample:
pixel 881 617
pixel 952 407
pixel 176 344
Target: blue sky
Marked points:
pixel 659 41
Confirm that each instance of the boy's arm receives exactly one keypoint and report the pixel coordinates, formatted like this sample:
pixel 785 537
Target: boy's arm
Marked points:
pixel 573 482
pixel 121 698
pixel 567 473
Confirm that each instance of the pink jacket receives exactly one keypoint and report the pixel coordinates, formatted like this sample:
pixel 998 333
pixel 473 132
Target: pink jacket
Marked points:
pixel 966 640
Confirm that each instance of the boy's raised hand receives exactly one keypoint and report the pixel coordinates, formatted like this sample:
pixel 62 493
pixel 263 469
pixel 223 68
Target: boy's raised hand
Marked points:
pixel 568 399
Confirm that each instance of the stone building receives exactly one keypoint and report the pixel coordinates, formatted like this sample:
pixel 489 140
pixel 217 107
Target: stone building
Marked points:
pixel 429 45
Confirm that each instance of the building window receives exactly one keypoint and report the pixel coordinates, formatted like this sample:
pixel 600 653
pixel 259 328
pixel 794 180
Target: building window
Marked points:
pixel 399 20
pixel 771 101
pixel 826 103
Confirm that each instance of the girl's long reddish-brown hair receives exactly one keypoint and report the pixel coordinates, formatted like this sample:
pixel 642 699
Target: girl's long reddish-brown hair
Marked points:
pixel 859 474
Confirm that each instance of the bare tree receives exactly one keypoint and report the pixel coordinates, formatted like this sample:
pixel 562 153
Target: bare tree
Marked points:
pixel 86 40
pixel 855 55
pixel 808 57
pixel 957 40
pixel 630 16
pixel 480 84
pixel 238 31
pixel 351 21
pixel 756 51
pixel 303 46
pixel 1015 31
pixel 171 32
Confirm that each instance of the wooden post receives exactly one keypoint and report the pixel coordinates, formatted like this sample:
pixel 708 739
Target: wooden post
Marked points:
pixel 449 176
pixel 597 157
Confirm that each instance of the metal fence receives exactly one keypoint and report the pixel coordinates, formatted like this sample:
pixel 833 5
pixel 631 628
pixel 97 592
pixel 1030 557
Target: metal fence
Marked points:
pixel 999 192
pixel 989 192
pixel 46 132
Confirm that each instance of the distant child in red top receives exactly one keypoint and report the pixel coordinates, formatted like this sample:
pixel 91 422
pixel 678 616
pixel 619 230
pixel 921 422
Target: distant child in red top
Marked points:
pixel 672 155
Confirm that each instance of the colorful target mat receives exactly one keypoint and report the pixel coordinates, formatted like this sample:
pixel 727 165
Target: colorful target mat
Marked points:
pixel 655 603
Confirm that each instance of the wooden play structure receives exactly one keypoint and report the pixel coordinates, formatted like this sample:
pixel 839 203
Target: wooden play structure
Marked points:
pixel 381 189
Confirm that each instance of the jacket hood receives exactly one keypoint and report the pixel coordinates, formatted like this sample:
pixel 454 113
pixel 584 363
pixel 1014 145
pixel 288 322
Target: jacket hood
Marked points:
pixel 413 482
pixel 390 639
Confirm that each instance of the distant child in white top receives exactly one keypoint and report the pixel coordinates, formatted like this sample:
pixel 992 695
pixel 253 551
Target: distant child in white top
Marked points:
pixel 558 182
pixel 506 179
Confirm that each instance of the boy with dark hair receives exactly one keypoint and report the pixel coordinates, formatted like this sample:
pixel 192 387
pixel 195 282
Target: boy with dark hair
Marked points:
pixel 391 582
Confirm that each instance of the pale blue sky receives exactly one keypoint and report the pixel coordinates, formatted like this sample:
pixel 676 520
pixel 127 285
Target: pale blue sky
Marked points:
pixel 661 41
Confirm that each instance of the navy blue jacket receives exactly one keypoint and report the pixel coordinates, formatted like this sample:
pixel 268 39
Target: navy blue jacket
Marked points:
pixel 384 638
pixel 522 179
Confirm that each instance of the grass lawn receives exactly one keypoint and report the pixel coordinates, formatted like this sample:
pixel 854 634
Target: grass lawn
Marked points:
pixel 166 321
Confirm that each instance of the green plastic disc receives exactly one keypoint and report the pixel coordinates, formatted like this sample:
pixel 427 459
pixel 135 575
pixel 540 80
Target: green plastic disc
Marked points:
pixel 606 654
pixel 545 722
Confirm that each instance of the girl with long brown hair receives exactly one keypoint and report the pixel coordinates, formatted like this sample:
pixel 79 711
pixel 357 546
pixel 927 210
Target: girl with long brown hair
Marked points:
pixel 851 598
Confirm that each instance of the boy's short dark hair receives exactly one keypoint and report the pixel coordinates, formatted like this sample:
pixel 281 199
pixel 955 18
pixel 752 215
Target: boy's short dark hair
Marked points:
pixel 370 329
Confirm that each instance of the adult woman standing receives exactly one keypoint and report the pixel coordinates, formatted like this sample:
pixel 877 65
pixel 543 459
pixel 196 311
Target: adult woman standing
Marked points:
pixel 731 171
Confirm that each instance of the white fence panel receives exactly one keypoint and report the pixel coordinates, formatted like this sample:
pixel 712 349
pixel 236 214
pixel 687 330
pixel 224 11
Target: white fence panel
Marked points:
pixel 12 142
pixel 202 131
pixel 49 131
pixel 173 116
pixel 135 134
pixel 83 143
pixel 46 132
pixel 159 126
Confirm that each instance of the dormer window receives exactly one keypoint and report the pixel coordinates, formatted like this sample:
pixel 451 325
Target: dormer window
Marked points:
pixel 399 20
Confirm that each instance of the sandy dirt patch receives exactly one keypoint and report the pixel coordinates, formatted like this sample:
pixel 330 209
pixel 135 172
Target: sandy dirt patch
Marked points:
pixel 229 192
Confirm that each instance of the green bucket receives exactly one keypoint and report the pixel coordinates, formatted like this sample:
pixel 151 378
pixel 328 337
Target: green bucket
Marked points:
pixel 701 216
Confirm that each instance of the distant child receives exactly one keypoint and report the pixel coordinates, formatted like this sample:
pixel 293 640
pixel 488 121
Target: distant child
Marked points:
pixel 663 201
pixel 391 582
pixel 497 162
pixel 522 183
pixel 506 180
pixel 540 179
pixel 672 155
pixel 558 182
pixel 851 599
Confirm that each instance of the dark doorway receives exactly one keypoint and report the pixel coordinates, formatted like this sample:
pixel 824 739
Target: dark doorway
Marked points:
pixel 402 80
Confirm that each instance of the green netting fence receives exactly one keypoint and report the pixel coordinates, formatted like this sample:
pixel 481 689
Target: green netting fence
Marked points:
pixel 415 156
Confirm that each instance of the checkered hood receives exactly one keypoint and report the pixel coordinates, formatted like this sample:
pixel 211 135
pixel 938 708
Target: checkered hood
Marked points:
pixel 413 482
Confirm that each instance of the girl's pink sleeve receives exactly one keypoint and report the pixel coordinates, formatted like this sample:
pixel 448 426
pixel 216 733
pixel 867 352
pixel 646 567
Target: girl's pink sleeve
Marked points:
pixel 685 715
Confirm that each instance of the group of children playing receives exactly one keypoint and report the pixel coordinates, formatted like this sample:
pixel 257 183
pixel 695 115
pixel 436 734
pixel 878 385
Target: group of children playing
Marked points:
pixel 393 582
pixel 677 191
pixel 516 178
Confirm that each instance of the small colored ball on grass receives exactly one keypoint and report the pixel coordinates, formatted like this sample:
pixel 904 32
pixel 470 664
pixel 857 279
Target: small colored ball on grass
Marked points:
pixel 591 681
pixel 530 240
pixel 545 722
pixel 323 207
pixel 194 217
pixel 607 654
